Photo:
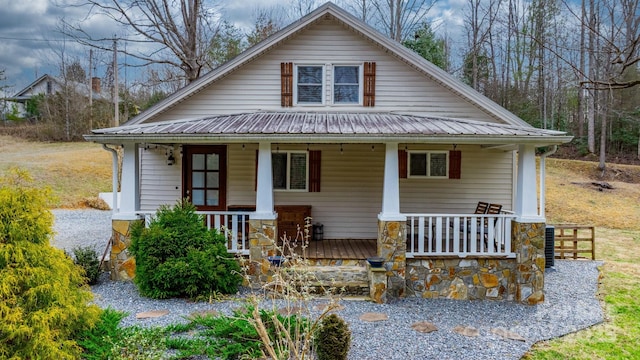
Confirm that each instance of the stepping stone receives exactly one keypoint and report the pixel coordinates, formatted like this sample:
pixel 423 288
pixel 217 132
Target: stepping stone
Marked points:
pixel 293 310
pixel 507 334
pixel 323 307
pixel 469 331
pixel 424 327
pixel 151 314
pixel 373 317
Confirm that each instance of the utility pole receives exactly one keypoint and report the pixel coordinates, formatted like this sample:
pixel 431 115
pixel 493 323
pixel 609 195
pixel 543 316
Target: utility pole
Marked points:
pixel 116 117
pixel 90 90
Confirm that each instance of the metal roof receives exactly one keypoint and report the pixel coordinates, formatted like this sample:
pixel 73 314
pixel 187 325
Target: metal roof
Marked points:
pixel 326 127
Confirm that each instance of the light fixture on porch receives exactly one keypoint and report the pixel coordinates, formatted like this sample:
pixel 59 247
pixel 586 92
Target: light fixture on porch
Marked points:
pixel 242 147
pixel 170 158
pixel 373 148
pixel 341 150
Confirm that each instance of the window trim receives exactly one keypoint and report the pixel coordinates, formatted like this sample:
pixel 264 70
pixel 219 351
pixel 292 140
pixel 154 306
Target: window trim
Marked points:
pixel 360 83
pixel 288 172
pixel 322 84
pixel 428 154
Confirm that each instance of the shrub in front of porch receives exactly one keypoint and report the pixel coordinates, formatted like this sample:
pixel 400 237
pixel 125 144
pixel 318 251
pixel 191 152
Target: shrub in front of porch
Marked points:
pixel 177 255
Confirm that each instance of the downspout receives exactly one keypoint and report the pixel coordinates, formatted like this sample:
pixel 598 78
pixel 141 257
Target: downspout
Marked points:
pixel 114 178
pixel 542 178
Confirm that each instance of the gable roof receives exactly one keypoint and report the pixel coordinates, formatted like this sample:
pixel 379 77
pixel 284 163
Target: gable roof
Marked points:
pixel 328 127
pixel 81 88
pixel 392 47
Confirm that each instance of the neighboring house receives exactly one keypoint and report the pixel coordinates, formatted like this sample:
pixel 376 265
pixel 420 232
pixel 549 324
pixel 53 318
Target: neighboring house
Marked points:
pixel 330 118
pixel 49 85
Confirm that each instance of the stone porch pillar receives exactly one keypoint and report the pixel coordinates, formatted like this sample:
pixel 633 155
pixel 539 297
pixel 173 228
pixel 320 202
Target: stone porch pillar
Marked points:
pixel 392 247
pixel 121 264
pixel 528 244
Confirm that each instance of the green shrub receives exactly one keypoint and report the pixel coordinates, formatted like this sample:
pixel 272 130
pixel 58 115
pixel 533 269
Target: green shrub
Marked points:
pixel 137 343
pixel 43 295
pixel 333 339
pixel 98 342
pixel 87 258
pixel 178 256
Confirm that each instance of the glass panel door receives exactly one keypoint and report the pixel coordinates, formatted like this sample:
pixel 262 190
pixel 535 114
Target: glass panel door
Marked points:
pixel 205 176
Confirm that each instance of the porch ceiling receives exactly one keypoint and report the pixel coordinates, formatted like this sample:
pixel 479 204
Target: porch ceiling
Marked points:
pixel 328 127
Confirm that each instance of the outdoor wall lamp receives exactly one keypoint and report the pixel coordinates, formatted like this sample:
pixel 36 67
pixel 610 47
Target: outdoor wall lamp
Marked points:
pixel 170 159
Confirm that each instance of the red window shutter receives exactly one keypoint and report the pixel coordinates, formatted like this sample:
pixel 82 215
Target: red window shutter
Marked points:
pixel 455 164
pixel 402 164
pixel 369 98
pixel 286 78
pixel 314 170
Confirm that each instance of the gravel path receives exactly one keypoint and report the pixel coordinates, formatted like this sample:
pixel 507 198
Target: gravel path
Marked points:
pixel 570 305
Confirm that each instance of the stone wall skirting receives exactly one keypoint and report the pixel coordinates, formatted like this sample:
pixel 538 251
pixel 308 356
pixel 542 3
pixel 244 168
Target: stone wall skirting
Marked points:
pixel 462 279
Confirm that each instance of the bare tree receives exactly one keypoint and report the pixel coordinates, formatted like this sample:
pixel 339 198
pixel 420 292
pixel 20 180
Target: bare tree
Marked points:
pixel 400 19
pixel 178 36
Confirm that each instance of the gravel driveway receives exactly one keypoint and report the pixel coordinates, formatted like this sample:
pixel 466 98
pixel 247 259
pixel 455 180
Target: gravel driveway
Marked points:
pixel 570 305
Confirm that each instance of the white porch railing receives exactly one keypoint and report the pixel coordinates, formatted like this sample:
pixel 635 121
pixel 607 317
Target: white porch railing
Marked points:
pixel 459 235
pixel 234 224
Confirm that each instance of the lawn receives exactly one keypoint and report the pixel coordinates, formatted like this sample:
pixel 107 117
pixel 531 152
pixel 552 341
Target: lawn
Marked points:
pixel 571 198
pixel 78 171
pixel 75 172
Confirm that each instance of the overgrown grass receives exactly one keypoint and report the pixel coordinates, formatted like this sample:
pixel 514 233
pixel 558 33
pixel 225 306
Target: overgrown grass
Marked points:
pixel 74 171
pixel 616 215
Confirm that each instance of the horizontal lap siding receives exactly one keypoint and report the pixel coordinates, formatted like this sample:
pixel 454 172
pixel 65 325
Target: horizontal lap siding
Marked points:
pixel 256 85
pixel 486 176
pixel 351 184
pixel 160 184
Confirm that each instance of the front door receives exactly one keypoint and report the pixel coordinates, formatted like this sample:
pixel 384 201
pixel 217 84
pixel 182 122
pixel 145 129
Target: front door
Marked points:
pixel 205 177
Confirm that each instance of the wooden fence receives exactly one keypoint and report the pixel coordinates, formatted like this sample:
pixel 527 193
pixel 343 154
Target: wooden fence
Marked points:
pixel 571 241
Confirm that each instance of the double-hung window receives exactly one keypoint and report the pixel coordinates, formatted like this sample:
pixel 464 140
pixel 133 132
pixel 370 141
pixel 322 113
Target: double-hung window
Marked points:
pixel 290 170
pixel 309 84
pixel 346 84
pixel 430 164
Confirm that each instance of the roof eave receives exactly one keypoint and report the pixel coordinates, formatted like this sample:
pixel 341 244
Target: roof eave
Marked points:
pixel 537 140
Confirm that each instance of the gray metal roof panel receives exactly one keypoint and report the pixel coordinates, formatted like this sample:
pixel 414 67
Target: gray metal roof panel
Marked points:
pixel 319 123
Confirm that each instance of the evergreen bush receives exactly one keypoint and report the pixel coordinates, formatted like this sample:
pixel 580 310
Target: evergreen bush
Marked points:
pixel 87 258
pixel 178 256
pixel 333 339
pixel 43 295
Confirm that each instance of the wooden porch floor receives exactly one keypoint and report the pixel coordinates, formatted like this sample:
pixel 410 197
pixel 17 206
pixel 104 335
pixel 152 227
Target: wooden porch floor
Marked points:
pixel 359 249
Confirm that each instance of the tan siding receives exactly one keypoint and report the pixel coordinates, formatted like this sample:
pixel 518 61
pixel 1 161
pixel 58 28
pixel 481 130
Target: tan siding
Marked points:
pixel 351 195
pixel 478 183
pixel 160 184
pixel 256 85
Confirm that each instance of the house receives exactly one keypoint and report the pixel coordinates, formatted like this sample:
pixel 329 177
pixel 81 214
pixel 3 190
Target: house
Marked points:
pixel 49 85
pixel 392 155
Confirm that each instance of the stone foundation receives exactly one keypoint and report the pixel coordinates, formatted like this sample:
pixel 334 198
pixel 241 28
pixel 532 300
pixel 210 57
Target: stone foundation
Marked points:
pixel 462 279
pixel 122 264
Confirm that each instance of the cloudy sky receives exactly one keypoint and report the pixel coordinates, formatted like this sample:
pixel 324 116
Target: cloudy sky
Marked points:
pixel 32 45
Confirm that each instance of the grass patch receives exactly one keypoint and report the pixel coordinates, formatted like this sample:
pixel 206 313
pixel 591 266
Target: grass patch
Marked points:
pixel 74 171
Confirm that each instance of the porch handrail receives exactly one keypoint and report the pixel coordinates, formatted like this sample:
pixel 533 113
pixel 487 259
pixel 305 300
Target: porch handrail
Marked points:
pixel 461 235
pixel 233 224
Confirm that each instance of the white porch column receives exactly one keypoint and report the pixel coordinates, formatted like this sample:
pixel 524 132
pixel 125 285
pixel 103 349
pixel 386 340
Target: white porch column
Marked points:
pixel 264 188
pixel 526 205
pixel 391 186
pixel 129 198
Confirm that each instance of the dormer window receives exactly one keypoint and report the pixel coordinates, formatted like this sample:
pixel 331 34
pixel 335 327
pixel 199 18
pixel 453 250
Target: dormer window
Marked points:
pixel 330 84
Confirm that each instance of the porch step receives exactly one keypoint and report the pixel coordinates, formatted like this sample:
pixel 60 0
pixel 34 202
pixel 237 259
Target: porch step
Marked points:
pixel 346 280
